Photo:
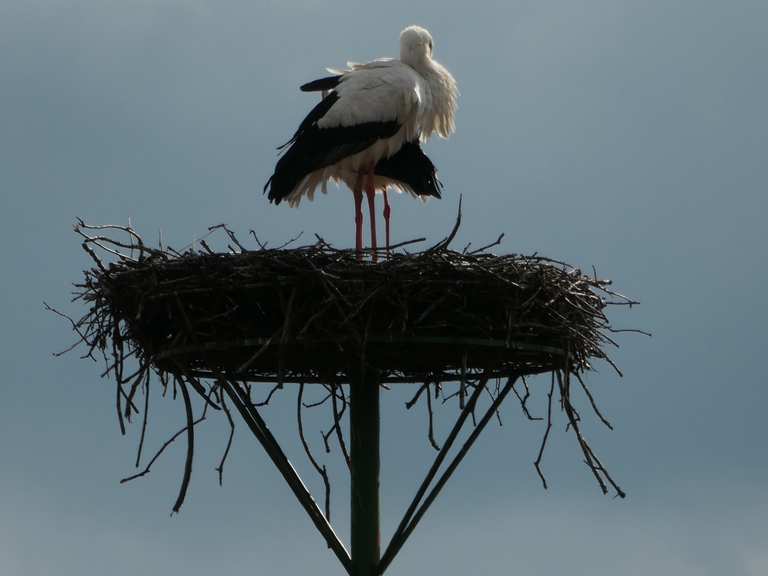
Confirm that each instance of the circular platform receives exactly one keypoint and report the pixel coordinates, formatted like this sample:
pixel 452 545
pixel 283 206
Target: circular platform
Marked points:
pixel 307 314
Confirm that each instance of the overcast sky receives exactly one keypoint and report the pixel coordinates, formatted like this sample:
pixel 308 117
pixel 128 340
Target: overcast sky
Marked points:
pixel 631 135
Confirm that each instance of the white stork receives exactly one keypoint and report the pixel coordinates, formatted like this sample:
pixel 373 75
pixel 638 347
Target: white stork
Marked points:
pixel 366 131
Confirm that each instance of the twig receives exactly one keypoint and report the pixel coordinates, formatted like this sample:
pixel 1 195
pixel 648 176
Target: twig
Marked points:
pixel 289 242
pixel 262 245
pixel 431 433
pixel 320 469
pixel 264 402
pixel 524 400
pixel 190 447
pixel 144 419
pixel 543 445
pixel 118 407
pixel 599 414
pixel 220 467
pixel 443 244
pixel 231 235
pixel 337 422
pixel 160 451
pixel 409 404
pixel 484 248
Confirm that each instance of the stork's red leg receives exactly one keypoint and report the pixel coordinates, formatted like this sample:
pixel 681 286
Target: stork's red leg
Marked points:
pixel 387 212
pixel 370 191
pixel 358 194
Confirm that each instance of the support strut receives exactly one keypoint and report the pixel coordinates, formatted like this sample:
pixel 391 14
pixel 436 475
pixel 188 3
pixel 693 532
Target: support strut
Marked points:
pixel 364 455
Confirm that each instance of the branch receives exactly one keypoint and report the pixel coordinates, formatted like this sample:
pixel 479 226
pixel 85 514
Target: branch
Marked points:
pixel 431 432
pixel 524 399
pixel 443 244
pixel 144 420
pixel 160 451
pixel 320 469
pixel 190 447
pixel 337 415
pixel 220 467
pixel 537 463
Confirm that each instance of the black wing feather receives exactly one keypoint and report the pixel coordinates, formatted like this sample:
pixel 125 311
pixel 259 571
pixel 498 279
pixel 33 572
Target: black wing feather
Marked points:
pixel 327 83
pixel 312 148
pixel 411 166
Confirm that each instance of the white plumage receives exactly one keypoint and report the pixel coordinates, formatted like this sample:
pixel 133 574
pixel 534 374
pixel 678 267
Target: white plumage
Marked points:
pixel 368 112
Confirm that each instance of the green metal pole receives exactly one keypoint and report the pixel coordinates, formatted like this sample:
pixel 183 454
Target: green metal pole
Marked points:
pixel 364 456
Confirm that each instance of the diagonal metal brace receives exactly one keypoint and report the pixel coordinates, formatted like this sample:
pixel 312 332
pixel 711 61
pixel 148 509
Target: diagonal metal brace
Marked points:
pixel 258 426
pixel 417 508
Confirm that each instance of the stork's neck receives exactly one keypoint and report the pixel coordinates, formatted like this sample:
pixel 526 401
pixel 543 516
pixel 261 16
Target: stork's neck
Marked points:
pixel 427 67
pixel 419 61
pixel 444 96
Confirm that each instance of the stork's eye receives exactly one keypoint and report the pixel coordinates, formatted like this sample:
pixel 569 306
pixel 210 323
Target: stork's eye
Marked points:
pixel 430 45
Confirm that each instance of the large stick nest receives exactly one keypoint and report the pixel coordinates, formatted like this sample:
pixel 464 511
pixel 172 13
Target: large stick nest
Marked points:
pixel 308 314
pixel 316 314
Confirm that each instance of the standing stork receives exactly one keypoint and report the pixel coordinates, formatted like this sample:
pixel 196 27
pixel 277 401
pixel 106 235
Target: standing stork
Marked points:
pixel 366 131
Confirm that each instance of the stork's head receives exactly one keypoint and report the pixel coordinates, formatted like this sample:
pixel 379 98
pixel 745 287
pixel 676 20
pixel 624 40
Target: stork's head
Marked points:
pixel 415 44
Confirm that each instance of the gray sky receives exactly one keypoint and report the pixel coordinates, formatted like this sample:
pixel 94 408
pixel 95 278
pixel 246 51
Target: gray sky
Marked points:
pixel 629 135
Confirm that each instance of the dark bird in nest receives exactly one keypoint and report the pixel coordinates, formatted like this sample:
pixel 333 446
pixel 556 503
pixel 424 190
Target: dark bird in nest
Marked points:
pixel 366 131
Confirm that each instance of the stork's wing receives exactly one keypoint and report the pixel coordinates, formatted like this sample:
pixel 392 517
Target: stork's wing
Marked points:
pixel 412 170
pixel 368 103
pixel 322 84
pixel 380 91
